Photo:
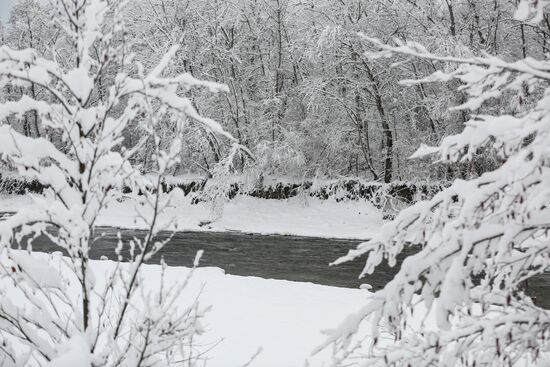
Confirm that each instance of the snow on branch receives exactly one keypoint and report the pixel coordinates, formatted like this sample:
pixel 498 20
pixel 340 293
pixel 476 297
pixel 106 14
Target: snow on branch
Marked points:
pixel 64 315
pixel 478 241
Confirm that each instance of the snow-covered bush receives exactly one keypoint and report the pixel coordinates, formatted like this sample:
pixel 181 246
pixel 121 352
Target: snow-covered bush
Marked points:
pixel 57 312
pixel 481 239
pixel 219 188
pixel 274 158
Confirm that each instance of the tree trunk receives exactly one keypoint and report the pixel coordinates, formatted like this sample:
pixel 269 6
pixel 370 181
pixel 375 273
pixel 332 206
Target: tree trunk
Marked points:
pixel 386 130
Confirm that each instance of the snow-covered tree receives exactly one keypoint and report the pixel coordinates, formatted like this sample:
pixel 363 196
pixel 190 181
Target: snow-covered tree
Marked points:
pixel 480 239
pixel 57 312
pixel 297 77
pixel 27 28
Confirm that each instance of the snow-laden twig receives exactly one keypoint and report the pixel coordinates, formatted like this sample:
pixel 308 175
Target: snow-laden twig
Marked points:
pixel 481 239
pixel 62 310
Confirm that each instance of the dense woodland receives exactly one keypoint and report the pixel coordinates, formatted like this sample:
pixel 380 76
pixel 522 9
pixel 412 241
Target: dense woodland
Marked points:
pixel 302 95
pixel 103 98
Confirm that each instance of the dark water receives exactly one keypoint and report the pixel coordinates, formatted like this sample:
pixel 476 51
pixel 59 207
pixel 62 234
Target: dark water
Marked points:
pixel 303 259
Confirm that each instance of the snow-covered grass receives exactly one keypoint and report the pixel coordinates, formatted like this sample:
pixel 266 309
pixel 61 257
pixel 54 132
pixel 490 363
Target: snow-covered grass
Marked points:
pixel 315 218
pixel 279 323
pixel 285 319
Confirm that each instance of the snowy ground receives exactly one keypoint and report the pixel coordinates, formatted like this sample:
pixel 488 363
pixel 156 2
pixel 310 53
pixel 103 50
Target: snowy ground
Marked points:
pixel 315 218
pixel 285 319
pixel 279 322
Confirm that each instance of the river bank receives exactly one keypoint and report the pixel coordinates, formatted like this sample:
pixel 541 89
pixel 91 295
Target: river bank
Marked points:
pixel 283 320
pixel 312 217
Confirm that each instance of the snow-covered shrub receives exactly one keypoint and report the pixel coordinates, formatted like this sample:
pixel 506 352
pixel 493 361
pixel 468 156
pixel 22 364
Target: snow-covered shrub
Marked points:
pixel 481 238
pixel 275 158
pixel 58 312
pixel 220 188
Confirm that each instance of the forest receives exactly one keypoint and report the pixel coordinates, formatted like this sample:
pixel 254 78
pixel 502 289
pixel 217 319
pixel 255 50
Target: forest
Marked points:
pixel 274 183
pixel 302 96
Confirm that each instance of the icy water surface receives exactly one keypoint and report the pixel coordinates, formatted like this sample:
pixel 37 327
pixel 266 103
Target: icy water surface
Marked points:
pixel 303 259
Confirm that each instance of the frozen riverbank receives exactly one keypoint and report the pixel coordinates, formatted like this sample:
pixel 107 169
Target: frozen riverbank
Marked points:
pixel 283 319
pixel 314 218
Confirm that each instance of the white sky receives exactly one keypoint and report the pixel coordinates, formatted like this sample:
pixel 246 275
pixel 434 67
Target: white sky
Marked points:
pixel 5 6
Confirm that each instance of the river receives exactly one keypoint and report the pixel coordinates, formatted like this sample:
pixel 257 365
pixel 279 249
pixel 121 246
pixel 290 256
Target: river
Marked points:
pixel 303 259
